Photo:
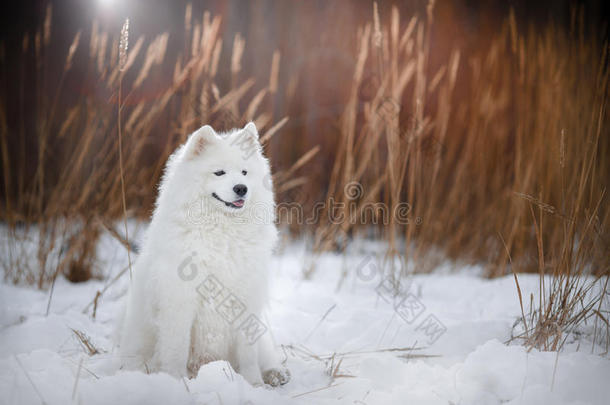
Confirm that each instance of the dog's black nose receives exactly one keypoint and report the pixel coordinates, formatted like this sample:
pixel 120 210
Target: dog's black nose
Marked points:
pixel 240 189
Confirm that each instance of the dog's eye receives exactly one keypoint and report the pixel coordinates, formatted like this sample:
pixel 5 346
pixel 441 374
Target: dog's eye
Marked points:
pixel 219 172
pixel 244 172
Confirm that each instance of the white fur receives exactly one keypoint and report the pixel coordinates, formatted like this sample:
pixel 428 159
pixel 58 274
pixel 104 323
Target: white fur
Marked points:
pixel 168 326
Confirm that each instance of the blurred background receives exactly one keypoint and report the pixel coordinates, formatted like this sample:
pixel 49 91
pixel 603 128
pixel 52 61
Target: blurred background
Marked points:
pixel 487 120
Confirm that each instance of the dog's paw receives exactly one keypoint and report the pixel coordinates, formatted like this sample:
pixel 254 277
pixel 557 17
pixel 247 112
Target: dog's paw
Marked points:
pixel 276 377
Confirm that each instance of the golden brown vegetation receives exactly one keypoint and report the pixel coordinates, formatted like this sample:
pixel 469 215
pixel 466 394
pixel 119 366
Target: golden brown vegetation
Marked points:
pixel 513 169
pixel 530 131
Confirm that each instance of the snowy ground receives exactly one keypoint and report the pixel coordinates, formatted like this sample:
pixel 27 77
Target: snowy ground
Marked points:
pixel 346 340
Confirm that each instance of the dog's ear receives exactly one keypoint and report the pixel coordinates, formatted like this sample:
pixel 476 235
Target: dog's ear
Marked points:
pixel 198 141
pixel 251 131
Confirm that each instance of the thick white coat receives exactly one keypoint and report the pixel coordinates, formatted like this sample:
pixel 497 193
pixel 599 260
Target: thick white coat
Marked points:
pixel 168 325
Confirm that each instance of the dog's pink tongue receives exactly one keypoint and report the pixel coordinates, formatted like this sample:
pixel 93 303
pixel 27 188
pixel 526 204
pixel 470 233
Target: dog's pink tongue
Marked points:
pixel 238 203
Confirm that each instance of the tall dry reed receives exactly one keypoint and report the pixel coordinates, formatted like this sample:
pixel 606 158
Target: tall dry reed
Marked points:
pixel 513 168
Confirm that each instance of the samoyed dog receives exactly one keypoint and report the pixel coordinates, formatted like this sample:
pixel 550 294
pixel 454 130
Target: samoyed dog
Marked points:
pixel 199 285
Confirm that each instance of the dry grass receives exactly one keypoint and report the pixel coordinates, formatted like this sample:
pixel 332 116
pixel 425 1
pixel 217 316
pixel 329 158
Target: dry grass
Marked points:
pixel 526 144
pixel 531 129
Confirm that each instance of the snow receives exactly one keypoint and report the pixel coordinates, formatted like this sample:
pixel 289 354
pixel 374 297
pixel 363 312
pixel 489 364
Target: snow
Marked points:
pixel 345 338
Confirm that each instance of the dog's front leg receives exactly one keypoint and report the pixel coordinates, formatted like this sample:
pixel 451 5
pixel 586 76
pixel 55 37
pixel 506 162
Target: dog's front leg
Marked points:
pixel 271 367
pixel 174 323
pixel 247 359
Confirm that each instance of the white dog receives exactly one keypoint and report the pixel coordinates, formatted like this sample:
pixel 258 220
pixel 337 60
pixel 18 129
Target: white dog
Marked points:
pixel 199 285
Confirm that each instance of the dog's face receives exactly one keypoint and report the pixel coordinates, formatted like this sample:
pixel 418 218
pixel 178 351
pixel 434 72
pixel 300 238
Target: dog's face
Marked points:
pixel 227 172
